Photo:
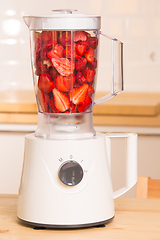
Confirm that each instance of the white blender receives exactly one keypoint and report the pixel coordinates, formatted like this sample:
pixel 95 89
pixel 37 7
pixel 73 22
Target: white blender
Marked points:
pixel 66 180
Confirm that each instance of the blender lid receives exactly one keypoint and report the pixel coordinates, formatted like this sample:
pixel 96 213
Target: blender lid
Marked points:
pixel 63 19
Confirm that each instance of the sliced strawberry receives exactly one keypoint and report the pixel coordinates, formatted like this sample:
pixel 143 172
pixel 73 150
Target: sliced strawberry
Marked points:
pixel 43 100
pixel 79 94
pixel 72 108
pixel 49 44
pixel 89 55
pixel 37 40
pixel 67 53
pixel 45 83
pixel 61 101
pixel 63 84
pixel 81 47
pixel 41 68
pixel 93 42
pixel 52 106
pixel 89 74
pixel 46 35
pixel 94 64
pixel 64 38
pixel 53 72
pixel 79 36
pixel 57 51
pixel 90 90
pixel 84 106
pixel 63 66
pixel 80 64
pixel 80 78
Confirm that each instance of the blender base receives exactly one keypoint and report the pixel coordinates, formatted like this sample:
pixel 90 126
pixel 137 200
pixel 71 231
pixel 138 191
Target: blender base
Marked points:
pixel 45 200
pixel 45 226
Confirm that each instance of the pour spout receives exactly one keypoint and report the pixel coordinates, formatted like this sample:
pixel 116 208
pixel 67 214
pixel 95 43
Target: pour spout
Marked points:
pixel 27 20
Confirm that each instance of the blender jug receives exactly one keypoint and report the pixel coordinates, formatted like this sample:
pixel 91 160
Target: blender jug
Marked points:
pixel 64 50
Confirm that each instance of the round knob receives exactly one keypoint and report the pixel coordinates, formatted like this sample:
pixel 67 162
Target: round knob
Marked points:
pixel 71 173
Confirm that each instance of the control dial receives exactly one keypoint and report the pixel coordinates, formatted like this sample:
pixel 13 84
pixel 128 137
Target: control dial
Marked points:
pixel 70 173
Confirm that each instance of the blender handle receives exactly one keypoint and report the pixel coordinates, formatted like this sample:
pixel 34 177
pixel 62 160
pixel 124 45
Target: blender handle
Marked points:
pixel 130 162
pixel 117 69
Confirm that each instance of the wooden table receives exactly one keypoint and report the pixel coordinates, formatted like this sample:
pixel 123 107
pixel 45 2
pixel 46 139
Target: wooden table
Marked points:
pixel 134 219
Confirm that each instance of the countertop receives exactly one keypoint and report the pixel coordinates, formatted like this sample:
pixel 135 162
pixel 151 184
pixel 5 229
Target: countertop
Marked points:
pixel 135 219
pixel 126 109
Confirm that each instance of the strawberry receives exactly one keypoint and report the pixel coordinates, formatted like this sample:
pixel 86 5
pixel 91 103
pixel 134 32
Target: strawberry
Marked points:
pixel 63 84
pixel 85 105
pixel 90 90
pixel 45 83
pixel 53 72
pixel 61 101
pixel 43 100
pixel 46 35
pixel 79 36
pixel 80 64
pixel 89 74
pixel 79 94
pixel 64 38
pixel 57 51
pixel 81 47
pixel 67 53
pixel 41 68
pixel 93 42
pixel 72 108
pixel 89 55
pixel 63 66
pixel 80 78
pixel 52 106
pixel 43 54
pixel 48 45
pixel 37 40
pixel 94 64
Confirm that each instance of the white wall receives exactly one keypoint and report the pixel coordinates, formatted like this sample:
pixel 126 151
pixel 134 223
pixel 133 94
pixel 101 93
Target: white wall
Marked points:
pixel 135 22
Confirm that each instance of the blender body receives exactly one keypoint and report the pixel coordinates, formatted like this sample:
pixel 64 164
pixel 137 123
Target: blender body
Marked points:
pixel 66 180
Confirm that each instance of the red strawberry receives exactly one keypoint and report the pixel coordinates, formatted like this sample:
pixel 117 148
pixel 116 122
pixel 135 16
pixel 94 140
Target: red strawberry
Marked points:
pixel 80 78
pixel 41 68
pixel 67 53
pixel 53 72
pixel 43 100
pixel 79 94
pixel 57 51
pixel 49 44
pixel 52 106
pixel 37 40
pixel 45 83
pixel 72 108
pixel 93 42
pixel 43 54
pixel 89 74
pixel 61 101
pixel 46 35
pixel 63 84
pixel 64 38
pixel 81 47
pixel 79 36
pixel 63 66
pixel 90 90
pixel 84 106
pixel 80 64
pixel 89 55
pixel 94 64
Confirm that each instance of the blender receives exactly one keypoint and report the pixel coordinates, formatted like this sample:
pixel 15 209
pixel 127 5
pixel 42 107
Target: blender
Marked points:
pixel 66 181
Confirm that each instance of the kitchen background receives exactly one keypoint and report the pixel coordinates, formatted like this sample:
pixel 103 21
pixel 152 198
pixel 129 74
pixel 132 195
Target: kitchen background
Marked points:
pixel 134 22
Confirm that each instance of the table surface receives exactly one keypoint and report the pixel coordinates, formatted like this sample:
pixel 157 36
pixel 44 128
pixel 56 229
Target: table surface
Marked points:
pixel 134 219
